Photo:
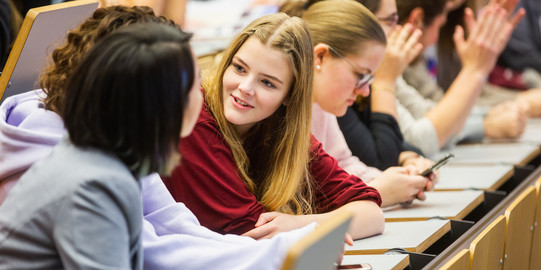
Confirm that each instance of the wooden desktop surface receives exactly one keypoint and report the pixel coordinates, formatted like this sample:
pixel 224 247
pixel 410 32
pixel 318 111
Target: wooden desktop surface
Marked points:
pixel 415 236
pixel 483 177
pixel 446 204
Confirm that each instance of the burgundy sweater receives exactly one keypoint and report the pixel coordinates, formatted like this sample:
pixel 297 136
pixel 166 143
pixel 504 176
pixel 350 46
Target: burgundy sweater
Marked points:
pixel 207 181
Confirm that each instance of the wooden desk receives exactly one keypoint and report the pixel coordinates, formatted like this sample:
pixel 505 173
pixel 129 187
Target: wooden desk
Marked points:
pixel 447 204
pixel 484 177
pixel 414 236
pixel 500 153
pixel 532 133
pixel 384 261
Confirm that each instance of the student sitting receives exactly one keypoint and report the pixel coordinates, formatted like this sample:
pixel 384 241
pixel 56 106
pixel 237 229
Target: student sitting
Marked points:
pixel 251 151
pixel 171 234
pixel 345 55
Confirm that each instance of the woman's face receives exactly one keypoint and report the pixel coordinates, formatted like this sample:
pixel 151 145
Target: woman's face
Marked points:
pixel 387 15
pixel 255 84
pixel 335 79
pixel 191 113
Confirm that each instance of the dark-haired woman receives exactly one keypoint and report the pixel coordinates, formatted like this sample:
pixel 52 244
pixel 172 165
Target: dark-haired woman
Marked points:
pixel 80 207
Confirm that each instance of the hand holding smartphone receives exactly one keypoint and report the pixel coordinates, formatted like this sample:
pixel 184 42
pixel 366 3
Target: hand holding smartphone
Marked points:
pixel 437 165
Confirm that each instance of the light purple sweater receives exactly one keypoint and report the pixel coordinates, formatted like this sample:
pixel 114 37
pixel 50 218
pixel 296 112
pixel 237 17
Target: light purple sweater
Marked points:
pixel 172 235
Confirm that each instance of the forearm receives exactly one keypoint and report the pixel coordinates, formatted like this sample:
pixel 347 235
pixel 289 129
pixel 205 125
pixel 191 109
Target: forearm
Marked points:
pixel 367 218
pixel 174 10
pixel 449 115
pixel 383 98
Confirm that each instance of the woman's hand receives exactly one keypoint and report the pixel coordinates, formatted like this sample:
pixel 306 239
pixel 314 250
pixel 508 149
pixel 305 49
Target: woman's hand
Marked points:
pixel 487 36
pixel 400 184
pixel 402 47
pixel 505 120
pixel 272 223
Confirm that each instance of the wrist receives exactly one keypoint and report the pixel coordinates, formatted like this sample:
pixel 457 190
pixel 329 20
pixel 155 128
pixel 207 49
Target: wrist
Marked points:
pixel 405 156
pixel 389 88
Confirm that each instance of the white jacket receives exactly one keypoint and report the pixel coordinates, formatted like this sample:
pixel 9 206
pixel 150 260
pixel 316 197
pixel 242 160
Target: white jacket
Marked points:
pixel 172 235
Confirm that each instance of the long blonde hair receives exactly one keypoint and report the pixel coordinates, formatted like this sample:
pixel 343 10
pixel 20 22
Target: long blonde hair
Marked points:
pixel 278 174
pixel 345 25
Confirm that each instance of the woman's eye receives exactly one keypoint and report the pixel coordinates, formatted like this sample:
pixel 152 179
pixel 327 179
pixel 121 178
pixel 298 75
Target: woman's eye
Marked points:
pixel 268 83
pixel 238 68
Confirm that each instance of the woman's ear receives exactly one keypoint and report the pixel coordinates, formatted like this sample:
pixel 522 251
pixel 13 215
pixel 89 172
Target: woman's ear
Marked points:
pixel 416 17
pixel 321 51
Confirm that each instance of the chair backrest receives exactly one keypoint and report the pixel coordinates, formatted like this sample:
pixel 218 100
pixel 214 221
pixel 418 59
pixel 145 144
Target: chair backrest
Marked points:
pixel 535 257
pixel 460 261
pixel 43 28
pixel 518 238
pixel 321 248
pixel 486 250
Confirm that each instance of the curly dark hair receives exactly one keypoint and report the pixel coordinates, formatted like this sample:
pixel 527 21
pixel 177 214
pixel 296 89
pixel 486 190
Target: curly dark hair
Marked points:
pixel 80 40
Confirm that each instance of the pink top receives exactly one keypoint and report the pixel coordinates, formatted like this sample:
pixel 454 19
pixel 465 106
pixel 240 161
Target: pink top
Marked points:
pixel 327 131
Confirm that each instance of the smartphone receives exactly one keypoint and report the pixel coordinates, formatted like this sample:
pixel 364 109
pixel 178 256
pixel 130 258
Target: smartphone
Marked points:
pixel 362 266
pixel 437 165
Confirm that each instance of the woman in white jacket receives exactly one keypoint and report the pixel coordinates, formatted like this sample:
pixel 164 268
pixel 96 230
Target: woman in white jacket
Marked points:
pixel 172 236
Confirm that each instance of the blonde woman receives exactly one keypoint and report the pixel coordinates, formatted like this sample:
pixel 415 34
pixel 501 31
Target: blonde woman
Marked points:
pixel 251 151
pixel 349 46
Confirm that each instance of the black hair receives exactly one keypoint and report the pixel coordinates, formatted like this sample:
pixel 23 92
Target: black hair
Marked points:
pixel 127 96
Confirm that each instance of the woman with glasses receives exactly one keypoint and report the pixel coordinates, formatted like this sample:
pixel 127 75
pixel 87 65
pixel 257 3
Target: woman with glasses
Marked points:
pixel 370 126
pixel 348 48
pixel 251 165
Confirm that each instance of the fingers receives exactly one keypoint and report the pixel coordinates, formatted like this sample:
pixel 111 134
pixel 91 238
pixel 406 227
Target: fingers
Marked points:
pixel 420 182
pixel 458 38
pixel 421 196
pixel 404 33
pixel 496 23
pixel 471 23
pixel 484 24
pixel 391 39
pixel 517 17
pixel 266 218
pixel 412 46
pixel 348 239
pixel 259 233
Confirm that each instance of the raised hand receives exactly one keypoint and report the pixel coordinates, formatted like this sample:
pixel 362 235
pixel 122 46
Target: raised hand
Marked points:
pixel 402 47
pixel 487 37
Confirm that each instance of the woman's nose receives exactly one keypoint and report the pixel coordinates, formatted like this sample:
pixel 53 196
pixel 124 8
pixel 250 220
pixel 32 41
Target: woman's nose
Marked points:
pixel 247 87
pixel 364 91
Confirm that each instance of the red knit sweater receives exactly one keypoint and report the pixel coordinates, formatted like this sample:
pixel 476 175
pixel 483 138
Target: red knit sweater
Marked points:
pixel 207 181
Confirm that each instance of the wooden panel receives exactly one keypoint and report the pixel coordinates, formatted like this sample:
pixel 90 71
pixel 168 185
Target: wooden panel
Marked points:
pixel 535 258
pixel 460 262
pixel 42 30
pixel 488 247
pixel 518 240
pixel 321 248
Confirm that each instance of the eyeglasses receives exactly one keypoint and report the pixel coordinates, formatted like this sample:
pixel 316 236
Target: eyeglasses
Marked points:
pixel 364 78
pixel 390 20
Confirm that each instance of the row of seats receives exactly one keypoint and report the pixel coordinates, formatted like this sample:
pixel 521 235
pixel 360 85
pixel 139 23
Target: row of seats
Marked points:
pixel 511 241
